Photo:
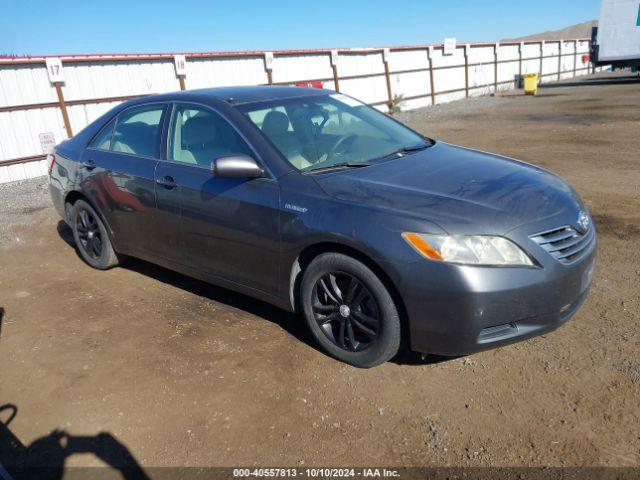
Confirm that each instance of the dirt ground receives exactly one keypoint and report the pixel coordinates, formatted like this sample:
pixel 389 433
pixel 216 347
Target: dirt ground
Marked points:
pixel 183 373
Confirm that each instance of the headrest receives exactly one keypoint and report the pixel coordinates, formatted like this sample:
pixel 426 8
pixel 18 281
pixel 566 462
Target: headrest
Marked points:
pixel 275 123
pixel 199 130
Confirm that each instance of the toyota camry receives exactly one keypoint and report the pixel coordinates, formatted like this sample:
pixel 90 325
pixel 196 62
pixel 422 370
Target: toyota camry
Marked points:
pixel 381 238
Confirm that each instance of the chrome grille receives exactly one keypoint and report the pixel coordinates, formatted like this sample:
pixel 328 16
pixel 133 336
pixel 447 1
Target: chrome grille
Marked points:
pixel 566 244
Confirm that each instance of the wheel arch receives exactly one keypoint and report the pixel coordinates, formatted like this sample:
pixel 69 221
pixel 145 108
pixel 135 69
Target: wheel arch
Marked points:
pixel 72 197
pixel 310 252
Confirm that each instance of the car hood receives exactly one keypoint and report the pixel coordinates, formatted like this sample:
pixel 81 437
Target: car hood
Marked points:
pixel 459 189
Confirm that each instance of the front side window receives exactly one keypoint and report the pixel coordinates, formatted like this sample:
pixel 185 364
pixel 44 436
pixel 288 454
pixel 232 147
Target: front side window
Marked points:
pixel 137 131
pixel 326 131
pixel 199 135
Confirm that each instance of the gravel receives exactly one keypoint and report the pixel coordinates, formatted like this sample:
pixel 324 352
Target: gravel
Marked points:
pixel 18 201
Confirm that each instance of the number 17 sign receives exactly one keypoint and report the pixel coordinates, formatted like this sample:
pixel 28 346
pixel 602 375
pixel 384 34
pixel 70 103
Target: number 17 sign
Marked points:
pixel 54 70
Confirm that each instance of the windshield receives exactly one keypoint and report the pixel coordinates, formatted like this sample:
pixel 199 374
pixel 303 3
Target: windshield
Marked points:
pixel 328 131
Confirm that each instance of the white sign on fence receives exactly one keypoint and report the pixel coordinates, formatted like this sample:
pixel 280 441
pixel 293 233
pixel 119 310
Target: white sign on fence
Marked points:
pixel 47 142
pixel 54 70
pixel 268 60
pixel 385 55
pixel 181 64
pixel 449 46
pixel 334 58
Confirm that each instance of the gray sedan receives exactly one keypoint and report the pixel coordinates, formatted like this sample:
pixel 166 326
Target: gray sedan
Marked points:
pixel 381 238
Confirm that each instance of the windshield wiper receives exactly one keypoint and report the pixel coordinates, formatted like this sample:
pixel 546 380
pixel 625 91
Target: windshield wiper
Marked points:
pixel 337 166
pixel 400 151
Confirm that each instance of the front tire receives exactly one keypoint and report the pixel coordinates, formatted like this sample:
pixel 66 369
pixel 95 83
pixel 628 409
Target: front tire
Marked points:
pixel 91 237
pixel 349 311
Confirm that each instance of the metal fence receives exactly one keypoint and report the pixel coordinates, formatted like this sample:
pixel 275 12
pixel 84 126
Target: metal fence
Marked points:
pixel 44 100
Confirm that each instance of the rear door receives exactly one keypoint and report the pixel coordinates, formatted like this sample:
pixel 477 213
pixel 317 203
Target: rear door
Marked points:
pixel 230 226
pixel 119 167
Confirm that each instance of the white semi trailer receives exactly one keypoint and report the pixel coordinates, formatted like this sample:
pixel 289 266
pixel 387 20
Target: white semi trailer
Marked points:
pixel 616 41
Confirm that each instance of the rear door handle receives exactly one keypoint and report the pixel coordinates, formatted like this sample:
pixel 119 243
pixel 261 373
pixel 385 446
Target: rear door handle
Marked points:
pixel 167 182
pixel 89 165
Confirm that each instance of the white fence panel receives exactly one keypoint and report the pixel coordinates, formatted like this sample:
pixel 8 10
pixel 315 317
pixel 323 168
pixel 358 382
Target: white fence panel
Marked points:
pixel 290 68
pixel 25 84
pixel 19 131
pixel 223 72
pixel 22 171
pixel 29 104
pixel 481 71
pixel 550 65
pixel 374 90
pixel 116 79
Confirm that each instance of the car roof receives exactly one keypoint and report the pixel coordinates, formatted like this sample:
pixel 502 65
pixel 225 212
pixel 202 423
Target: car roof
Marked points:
pixel 239 95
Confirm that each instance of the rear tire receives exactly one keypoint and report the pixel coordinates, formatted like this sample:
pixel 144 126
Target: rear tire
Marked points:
pixel 91 237
pixel 349 311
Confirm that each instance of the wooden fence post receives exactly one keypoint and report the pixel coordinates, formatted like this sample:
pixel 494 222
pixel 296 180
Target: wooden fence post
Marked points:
pixel 334 67
pixel 560 59
pixel 520 49
pixel 467 48
pixel 495 68
pixel 63 109
pixel 541 61
pixel 385 59
pixel 433 87
pixel 575 57
pixel 56 77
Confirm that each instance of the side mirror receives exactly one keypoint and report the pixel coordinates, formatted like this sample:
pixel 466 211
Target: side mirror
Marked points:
pixel 236 166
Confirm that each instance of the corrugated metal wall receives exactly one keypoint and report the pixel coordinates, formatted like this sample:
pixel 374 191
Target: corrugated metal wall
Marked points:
pixel 30 106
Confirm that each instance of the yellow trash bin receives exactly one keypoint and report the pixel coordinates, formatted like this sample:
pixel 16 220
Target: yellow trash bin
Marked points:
pixel 531 83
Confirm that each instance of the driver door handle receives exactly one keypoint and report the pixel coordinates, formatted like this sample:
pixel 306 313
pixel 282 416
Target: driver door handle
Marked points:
pixel 167 182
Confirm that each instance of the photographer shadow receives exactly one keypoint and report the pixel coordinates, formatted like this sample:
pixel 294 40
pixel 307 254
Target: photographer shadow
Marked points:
pixel 45 457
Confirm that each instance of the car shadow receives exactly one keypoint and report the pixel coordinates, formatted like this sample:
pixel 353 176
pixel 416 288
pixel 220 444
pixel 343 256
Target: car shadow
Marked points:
pixel 595 82
pixel 45 457
pixel 290 322
pixel 409 357
pixel 1 318
pixel 65 233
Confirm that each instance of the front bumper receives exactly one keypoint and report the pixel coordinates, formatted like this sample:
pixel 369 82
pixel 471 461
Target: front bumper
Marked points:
pixel 457 310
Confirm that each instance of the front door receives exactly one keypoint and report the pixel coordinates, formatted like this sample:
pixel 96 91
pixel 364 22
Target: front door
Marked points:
pixel 230 226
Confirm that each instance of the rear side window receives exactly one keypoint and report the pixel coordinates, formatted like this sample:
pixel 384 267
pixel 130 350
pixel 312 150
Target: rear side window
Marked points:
pixel 102 141
pixel 137 131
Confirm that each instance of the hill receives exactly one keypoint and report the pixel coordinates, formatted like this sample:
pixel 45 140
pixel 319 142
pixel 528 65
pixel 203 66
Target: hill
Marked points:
pixel 579 30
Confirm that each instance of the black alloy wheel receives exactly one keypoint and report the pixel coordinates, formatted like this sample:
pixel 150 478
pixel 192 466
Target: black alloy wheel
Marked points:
pixel 346 311
pixel 89 233
pixel 91 237
pixel 349 310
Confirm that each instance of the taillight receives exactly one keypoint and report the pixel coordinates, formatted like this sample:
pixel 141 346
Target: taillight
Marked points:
pixel 52 160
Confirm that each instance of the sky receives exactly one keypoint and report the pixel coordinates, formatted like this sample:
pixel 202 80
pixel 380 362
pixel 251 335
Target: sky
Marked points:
pixel 38 27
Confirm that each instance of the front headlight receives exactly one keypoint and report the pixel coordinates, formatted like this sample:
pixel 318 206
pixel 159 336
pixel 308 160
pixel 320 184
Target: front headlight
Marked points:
pixel 468 249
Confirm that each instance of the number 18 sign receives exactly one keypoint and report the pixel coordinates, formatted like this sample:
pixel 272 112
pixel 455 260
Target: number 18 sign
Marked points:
pixel 181 64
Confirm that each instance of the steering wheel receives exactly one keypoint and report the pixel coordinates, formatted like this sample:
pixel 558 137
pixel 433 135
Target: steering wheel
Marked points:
pixel 345 141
